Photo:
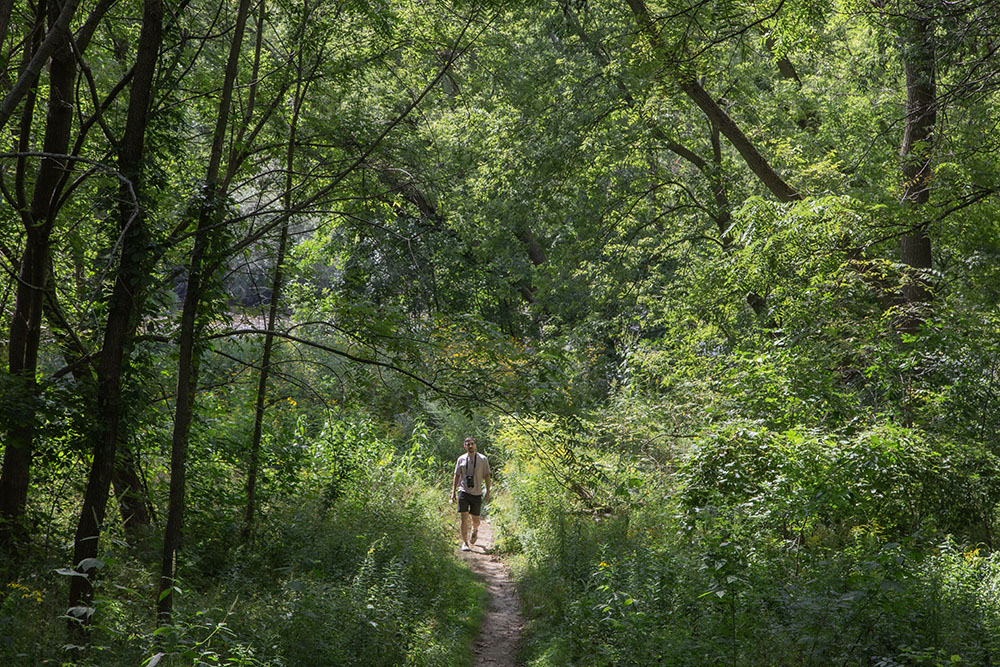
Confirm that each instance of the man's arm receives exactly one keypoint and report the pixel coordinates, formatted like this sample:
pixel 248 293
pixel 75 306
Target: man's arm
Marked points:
pixel 454 483
pixel 486 481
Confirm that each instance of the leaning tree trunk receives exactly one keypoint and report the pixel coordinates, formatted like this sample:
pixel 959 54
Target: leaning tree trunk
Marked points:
pixel 718 117
pixel 731 131
pixel 711 171
pixel 187 364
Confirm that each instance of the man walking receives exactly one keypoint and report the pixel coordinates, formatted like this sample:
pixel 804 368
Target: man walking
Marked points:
pixel 472 471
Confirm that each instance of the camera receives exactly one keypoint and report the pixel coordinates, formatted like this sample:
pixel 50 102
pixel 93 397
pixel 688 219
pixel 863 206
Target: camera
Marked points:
pixel 470 481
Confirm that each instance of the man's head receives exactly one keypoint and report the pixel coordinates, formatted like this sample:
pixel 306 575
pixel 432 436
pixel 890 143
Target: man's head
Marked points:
pixel 470 445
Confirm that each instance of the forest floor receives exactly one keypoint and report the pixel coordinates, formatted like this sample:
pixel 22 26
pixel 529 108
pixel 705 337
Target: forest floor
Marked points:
pixel 500 637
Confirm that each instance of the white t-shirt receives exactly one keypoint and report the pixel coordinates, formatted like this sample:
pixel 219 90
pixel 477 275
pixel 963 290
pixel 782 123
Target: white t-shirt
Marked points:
pixel 478 468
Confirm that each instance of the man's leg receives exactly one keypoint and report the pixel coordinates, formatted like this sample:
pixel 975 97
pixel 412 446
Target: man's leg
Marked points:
pixel 475 528
pixel 475 507
pixel 464 527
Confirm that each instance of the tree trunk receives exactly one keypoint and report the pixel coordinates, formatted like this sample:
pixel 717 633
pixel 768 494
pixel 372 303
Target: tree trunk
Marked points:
pixel 34 39
pixel 124 308
pixel 713 173
pixel 730 130
pixel 723 213
pixel 917 149
pixel 22 360
pixel 536 253
pixel 187 364
pixel 272 314
pixel 187 377
pixel 132 501
pixel 785 65
pixel 5 8
pixel 25 328
pixel 133 504
pixel 265 369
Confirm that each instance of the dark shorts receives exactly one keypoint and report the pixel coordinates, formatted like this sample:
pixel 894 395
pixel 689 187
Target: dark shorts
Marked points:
pixel 468 502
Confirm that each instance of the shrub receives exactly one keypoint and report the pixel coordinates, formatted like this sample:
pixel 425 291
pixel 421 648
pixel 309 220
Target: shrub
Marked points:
pixel 802 483
pixel 774 549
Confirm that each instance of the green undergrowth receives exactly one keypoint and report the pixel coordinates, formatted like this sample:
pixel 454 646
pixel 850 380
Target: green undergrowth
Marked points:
pixel 755 548
pixel 369 578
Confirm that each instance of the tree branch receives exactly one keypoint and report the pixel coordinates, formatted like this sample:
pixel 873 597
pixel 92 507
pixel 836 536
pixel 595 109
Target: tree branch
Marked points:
pixel 347 355
pixel 59 29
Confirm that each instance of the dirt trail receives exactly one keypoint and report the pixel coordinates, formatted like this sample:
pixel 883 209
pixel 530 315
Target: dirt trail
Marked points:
pixel 499 640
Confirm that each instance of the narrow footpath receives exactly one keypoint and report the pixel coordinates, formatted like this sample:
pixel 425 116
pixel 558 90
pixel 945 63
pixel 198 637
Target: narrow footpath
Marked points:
pixel 500 638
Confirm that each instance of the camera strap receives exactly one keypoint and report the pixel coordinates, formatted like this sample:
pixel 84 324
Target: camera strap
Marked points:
pixel 467 456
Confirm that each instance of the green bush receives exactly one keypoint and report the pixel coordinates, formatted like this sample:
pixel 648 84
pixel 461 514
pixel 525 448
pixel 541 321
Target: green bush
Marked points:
pixel 765 549
pixel 808 484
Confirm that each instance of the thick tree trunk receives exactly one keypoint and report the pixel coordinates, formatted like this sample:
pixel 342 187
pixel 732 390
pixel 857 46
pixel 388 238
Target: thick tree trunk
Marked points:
pixel 187 364
pixel 25 329
pixel 20 418
pixel 917 149
pixel 5 8
pixel 124 308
